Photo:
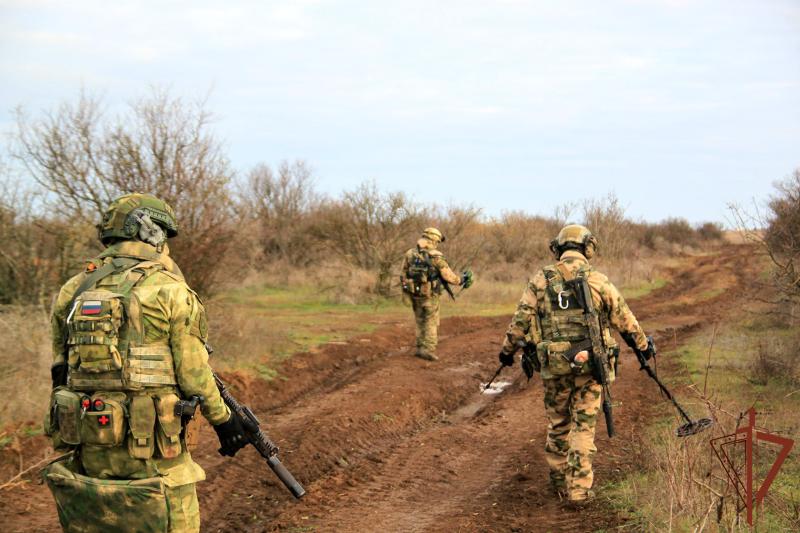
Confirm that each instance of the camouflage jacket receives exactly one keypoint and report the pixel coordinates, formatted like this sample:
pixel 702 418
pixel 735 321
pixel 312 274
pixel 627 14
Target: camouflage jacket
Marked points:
pixel 437 261
pixel 526 324
pixel 172 315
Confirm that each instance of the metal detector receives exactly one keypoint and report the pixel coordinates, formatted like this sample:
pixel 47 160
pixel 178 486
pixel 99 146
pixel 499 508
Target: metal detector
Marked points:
pixel 691 427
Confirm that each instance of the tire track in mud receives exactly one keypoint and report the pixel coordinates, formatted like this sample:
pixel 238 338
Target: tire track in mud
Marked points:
pixel 384 441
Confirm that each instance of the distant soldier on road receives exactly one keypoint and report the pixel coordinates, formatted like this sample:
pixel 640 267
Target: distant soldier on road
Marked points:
pixel 551 317
pixel 425 275
pixel 129 347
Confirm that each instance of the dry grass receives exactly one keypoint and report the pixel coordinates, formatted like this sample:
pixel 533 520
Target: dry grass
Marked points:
pixel 24 365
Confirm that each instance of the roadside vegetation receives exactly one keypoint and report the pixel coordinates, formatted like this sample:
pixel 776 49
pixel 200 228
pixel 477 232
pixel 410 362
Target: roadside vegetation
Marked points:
pixel 281 266
pixel 742 358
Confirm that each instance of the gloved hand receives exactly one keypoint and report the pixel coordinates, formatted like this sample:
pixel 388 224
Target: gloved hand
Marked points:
pixel 506 359
pixel 467 279
pixel 650 351
pixel 232 436
pixel 58 374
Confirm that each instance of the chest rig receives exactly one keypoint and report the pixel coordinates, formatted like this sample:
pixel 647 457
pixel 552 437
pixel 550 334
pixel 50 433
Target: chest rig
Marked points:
pixel 105 345
pixel 422 274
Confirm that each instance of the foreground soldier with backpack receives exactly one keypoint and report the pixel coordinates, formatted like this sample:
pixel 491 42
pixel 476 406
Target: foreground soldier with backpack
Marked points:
pixel 425 275
pixel 564 320
pixel 129 346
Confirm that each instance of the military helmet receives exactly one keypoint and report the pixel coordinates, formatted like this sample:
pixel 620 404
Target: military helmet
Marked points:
pixel 433 234
pixel 578 236
pixel 126 215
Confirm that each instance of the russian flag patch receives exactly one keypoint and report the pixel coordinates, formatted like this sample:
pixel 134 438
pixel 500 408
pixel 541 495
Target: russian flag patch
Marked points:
pixel 91 307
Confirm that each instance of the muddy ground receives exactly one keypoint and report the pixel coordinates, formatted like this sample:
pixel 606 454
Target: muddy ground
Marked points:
pixel 384 441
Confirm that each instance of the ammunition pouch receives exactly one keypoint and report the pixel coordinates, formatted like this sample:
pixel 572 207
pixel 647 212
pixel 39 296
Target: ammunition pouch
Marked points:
pixel 148 421
pixel 62 423
pixel 558 357
pixel 88 504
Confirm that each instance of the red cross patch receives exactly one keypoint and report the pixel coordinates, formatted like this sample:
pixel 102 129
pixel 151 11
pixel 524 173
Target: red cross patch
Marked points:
pixel 104 420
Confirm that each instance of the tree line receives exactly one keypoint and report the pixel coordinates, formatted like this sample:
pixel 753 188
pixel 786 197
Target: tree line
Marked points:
pixel 66 164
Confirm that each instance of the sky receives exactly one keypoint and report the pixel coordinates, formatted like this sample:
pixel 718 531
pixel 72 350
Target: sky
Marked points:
pixel 678 107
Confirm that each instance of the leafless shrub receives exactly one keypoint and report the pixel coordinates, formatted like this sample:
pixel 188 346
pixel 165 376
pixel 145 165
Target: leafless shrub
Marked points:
pixel 371 230
pixel 161 145
pixel 606 219
pixel 279 207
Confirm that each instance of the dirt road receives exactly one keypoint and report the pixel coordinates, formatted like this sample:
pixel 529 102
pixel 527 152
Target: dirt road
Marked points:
pixel 383 441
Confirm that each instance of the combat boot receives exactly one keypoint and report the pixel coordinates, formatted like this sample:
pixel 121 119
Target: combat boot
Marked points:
pixel 425 354
pixel 579 504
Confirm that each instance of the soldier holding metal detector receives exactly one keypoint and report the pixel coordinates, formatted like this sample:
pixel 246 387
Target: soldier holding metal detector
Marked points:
pixel 563 323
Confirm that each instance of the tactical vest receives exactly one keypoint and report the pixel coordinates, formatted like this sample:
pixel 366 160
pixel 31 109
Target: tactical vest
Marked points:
pixel 564 327
pixel 121 390
pixel 106 349
pixel 422 275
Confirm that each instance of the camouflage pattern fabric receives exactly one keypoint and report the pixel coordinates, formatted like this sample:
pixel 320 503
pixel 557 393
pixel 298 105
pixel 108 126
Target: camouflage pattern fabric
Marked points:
pixel 426 305
pixel 572 400
pixel 426 316
pixel 171 315
pixel 88 504
pixel 525 325
pixel 572 404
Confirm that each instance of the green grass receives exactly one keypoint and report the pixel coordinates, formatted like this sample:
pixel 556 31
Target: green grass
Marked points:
pixel 641 289
pixel 733 385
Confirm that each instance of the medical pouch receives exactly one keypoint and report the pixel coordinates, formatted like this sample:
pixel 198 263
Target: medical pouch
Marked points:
pixel 104 424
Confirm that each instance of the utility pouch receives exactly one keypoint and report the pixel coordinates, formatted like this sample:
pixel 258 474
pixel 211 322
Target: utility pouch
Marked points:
pixel 105 424
pixel 65 412
pixel 554 355
pixel 91 505
pixel 168 433
pixel 142 423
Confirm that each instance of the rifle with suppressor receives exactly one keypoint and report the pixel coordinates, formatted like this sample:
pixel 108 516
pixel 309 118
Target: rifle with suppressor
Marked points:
pixel 601 367
pixel 252 428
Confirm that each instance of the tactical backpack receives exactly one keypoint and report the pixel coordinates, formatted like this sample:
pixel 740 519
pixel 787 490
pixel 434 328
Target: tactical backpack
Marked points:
pixel 564 326
pixel 421 275
pixel 119 385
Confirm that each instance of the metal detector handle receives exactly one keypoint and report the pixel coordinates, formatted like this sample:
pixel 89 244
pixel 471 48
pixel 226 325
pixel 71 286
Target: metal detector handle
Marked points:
pixel 646 368
pixel 494 377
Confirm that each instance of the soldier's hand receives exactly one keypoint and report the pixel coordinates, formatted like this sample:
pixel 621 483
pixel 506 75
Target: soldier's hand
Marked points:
pixel 58 374
pixel 506 359
pixel 467 279
pixel 232 436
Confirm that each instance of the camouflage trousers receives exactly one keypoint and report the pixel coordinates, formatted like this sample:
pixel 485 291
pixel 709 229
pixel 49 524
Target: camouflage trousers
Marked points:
pixel 572 403
pixel 426 315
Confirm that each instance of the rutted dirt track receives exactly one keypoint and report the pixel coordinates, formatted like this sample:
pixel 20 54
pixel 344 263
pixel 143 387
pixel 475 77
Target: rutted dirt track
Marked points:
pixel 383 441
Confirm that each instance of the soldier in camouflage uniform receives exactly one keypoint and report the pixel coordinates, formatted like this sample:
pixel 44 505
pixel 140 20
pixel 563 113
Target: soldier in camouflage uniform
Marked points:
pixel 549 317
pixel 424 275
pixel 129 344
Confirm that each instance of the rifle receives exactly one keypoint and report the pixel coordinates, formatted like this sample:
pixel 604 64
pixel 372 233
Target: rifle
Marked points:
pixel 255 435
pixel 601 367
pixel 530 360
pixel 436 276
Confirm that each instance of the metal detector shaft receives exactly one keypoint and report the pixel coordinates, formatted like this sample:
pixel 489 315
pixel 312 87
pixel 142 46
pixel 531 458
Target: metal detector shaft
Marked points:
pixel 494 377
pixel 646 368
